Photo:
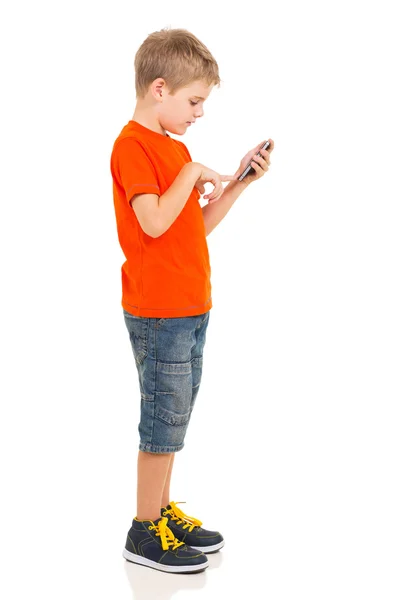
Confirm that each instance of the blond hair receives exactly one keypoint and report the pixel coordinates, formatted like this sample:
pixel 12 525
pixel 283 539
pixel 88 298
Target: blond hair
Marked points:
pixel 178 57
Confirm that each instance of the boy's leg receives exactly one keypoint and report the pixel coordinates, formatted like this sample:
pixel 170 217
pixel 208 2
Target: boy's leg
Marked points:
pixel 153 470
pixel 165 496
pixel 177 369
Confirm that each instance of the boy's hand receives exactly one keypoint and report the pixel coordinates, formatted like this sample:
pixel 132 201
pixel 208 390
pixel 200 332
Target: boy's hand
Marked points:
pixel 208 175
pixel 259 163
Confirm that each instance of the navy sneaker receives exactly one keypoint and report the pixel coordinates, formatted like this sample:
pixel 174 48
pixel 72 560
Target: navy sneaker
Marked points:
pixel 152 544
pixel 189 530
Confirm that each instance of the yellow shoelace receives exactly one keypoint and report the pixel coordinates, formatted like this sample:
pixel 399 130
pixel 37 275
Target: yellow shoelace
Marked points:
pixel 177 515
pixel 167 537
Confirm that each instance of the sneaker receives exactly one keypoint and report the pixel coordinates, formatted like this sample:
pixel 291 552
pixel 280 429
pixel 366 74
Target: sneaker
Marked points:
pixel 152 544
pixel 188 529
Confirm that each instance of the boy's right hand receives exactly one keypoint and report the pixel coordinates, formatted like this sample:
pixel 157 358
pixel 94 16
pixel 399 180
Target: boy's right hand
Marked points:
pixel 208 175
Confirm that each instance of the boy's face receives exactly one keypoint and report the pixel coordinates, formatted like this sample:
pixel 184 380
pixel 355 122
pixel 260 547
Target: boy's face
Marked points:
pixel 176 113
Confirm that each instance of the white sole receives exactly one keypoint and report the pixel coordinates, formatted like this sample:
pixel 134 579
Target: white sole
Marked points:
pixel 141 560
pixel 209 549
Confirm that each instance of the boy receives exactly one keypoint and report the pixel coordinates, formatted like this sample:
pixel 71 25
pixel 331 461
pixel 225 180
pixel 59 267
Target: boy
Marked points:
pixel 166 288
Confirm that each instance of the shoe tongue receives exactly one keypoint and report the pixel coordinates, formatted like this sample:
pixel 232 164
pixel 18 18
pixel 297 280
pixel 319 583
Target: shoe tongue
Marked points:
pixel 164 508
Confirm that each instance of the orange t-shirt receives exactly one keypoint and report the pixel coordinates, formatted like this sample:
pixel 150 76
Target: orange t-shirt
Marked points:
pixel 168 276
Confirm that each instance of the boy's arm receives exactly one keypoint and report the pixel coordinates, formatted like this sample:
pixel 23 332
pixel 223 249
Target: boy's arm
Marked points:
pixel 171 203
pixel 214 213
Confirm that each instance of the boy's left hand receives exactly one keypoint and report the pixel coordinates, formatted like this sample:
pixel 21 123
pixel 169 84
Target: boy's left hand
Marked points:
pixel 259 163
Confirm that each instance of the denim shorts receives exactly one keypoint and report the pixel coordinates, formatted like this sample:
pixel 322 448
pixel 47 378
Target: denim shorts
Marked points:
pixel 168 354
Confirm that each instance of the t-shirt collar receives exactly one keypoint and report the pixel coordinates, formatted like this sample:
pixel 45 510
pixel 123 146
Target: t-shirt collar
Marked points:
pixel 149 132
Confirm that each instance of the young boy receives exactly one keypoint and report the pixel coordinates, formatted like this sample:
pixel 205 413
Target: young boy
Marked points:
pixel 166 288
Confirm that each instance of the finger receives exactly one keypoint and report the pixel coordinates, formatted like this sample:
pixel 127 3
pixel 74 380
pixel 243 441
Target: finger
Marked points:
pixel 268 148
pixel 218 192
pixel 264 157
pixel 256 166
pixel 210 197
pixel 257 159
pixel 213 192
pixel 260 145
pixel 216 195
pixel 262 167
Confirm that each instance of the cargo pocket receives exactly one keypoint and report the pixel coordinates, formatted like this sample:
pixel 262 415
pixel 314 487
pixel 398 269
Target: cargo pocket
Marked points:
pixel 173 392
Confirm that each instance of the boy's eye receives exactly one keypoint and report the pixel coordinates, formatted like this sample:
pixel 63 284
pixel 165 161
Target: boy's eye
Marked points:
pixel 193 103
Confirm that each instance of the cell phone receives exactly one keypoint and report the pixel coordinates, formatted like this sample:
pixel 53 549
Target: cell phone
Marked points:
pixel 249 168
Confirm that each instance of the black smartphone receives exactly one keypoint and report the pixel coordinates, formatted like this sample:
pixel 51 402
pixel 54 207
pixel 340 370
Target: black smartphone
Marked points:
pixel 249 168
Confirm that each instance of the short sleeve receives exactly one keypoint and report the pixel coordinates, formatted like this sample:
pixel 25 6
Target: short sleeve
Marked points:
pixel 134 169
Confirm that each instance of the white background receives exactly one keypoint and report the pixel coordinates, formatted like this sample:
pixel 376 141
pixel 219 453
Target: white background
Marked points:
pixel 293 449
